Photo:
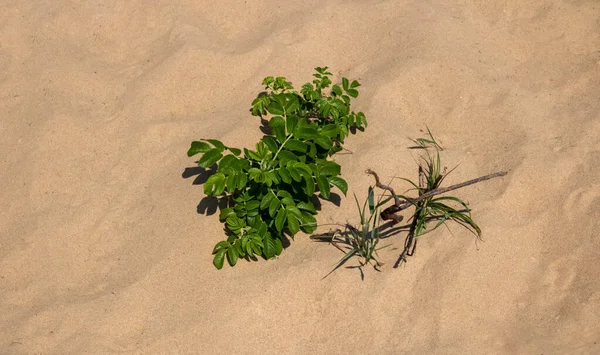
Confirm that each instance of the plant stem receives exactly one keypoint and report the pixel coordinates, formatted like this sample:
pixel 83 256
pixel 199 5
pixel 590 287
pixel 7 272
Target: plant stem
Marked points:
pixel 280 148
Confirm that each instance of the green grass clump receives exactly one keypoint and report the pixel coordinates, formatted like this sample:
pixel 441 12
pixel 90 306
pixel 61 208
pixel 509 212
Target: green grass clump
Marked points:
pixel 362 241
pixel 433 209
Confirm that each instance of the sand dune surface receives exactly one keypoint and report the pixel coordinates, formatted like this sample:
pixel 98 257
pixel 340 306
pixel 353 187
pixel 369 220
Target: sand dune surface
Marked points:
pixel 102 246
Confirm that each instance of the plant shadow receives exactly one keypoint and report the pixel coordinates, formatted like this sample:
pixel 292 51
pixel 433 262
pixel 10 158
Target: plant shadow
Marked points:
pixel 208 205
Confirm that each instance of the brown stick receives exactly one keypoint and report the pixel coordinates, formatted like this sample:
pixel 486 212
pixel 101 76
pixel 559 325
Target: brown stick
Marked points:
pixel 399 206
pixel 382 186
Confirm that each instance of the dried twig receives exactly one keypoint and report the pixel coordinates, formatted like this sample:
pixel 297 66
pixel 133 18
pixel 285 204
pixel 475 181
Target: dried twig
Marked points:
pixel 389 213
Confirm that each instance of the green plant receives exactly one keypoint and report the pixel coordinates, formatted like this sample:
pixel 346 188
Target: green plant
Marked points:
pixel 269 190
pixel 361 241
pixel 424 143
pixel 429 207
pixel 434 208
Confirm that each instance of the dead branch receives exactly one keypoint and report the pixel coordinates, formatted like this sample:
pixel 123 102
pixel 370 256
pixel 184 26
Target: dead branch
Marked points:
pixel 389 213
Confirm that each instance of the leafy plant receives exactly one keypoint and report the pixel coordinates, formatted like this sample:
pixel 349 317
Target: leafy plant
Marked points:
pixel 361 241
pixel 270 189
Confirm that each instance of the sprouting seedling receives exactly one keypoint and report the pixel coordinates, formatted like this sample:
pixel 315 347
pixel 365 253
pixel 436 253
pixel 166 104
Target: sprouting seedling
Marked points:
pixel 359 241
pixel 424 143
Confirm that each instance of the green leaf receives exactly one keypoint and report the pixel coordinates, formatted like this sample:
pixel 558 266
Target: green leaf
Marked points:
pixel 293 212
pixel 337 90
pixel 238 246
pixel 221 245
pixel 288 201
pixel 235 151
pixel 283 193
pixel 266 200
pixel 371 199
pixel 215 184
pixel 286 156
pixel 242 181
pixel 235 224
pixel 270 248
pixel 275 108
pixel 271 175
pixel 259 105
pixel 322 70
pixel 280 219
pixel 218 145
pixel 278 246
pixel 306 206
pixel 209 158
pixel 345 84
pixel 285 175
pixel 248 249
pixel 292 104
pixel 232 255
pixel 228 164
pixel 339 183
pixel 323 141
pixel 293 225
pixel 309 183
pixel 323 184
pixel 295 174
pixel 271 144
pixel 226 212
pixel 198 147
pixel 294 144
pixel 252 205
pixel 354 84
pixel 362 121
pixel 274 206
pixel 268 80
pixel 277 125
pixel 309 222
pixel 330 130
pixel 291 122
pixel 231 182
pixel 329 168
pixel 352 92
pixel 219 259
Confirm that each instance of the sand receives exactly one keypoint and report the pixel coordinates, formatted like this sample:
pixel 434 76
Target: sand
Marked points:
pixel 102 249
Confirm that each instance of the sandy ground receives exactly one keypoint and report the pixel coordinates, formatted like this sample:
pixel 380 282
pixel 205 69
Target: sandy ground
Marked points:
pixel 102 249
